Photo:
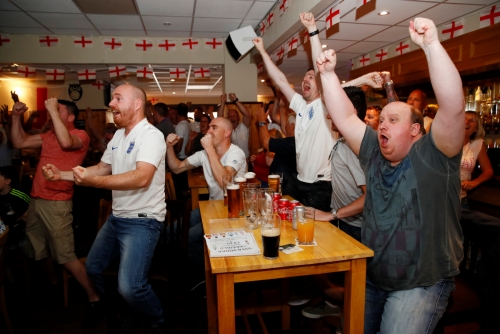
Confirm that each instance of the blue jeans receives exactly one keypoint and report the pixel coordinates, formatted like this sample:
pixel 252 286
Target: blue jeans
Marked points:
pixel 134 241
pixel 417 310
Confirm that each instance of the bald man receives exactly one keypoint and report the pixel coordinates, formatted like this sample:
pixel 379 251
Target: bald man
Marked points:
pixel 133 167
pixel 219 158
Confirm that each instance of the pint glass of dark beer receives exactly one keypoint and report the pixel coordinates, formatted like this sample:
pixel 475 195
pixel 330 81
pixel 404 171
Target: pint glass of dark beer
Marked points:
pixel 233 201
pixel 271 232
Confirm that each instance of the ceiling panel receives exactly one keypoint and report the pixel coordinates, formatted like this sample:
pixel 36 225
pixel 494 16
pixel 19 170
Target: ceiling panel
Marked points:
pixel 222 8
pixel 259 10
pixel 177 23
pixel 48 6
pixel 446 12
pixel 166 7
pixel 115 22
pixel 389 35
pixel 60 20
pixel 17 19
pixel 217 25
pixel 362 31
pixel 364 47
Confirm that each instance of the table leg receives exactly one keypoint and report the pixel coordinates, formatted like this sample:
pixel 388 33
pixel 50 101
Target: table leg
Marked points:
pixel 195 197
pixel 285 308
pixel 225 303
pixel 211 295
pixel 354 297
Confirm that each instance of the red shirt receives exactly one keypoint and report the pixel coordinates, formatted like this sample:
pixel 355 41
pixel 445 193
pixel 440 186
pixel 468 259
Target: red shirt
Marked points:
pixel 260 167
pixel 52 153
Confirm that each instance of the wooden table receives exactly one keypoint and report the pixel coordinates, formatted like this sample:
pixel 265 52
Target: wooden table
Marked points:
pixel 196 181
pixel 336 252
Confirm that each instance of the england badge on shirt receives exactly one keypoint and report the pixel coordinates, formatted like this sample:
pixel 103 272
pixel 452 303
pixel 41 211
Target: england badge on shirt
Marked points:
pixel 131 147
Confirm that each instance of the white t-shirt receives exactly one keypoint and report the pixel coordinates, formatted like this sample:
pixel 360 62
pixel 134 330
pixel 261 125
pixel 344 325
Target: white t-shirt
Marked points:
pixel 314 139
pixel 239 137
pixel 234 157
pixel 144 143
pixel 183 129
pixel 470 153
pixel 195 126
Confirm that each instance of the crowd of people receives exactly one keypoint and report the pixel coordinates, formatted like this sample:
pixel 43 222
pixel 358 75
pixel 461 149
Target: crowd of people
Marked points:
pixel 394 178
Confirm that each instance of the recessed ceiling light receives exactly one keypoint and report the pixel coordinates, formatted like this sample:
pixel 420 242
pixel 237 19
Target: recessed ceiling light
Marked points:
pixel 343 81
pixel 324 46
pixel 262 80
pixel 383 13
pixel 173 92
pixel 172 79
pixel 167 23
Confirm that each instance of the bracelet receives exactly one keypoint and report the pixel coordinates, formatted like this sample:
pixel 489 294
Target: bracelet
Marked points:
pixel 315 32
pixel 388 84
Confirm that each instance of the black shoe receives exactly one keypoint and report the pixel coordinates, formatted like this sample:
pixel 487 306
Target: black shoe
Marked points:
pixel 156 328
pixel 95 314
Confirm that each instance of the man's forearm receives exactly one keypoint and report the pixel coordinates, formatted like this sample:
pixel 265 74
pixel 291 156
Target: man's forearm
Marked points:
pixel 173 161
pixel 264 136
pixel 218 170
pixel 17 135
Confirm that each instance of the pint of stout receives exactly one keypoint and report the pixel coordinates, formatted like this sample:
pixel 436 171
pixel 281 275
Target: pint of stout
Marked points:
pixel 271 243
pixel 274 182
pixel 233 201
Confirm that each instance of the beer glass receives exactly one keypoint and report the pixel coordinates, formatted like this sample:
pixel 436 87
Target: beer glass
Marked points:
pixel 226 179
pixel 233 201
pixel 265 202
pixel 241 181
pixel 270 231
pixel 305 228
pixel 251 207
pixel 274 182
pixel 250 177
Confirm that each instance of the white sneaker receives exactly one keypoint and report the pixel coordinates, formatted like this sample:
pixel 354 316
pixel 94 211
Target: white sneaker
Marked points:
pixel 325 309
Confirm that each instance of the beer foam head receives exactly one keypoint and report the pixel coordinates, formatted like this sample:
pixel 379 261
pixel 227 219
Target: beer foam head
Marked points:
pixel 249 175
pixel 272 176
pixel 233 186
pixel 240 179
pixel 273 232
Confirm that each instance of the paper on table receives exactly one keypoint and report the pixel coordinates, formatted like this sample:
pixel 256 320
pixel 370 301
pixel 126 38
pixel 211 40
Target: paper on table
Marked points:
pixel 231 243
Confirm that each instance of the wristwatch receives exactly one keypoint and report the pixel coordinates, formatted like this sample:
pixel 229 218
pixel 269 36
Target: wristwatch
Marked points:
pixel 262 124
pixel 334 214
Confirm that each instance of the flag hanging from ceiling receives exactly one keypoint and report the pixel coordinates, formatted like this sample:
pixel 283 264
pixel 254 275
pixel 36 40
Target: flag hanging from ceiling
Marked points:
pixel 292 43
pixel 113 43
pixel 98 84
pixel 54 74
pixel 489 17
pixel 83 42
pixel 283 5
pixel 332 16
pixel 403 47
pixel 86 74
pixel 270 19
pixel 143 45
pixel 305 36
pixel 115 71
pixel 48 41
pixel 213 43
pixel 363 7
pixel 177 73
pixel 382 54
pixel 190 44
pixel 364 60
pixel 4 40
pixel 144 72
pixel 453 29
pixel 281 52
pixel 201 72
pixel 26 72
pixel 167 45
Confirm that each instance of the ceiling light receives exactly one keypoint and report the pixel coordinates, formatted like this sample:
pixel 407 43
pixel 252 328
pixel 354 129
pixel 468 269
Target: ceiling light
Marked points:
pixel 167 23
pixel 262 80
pixel 199 86
pixel 383 13
pixel 343 81
pixel 172 79
pixel 324 46
pixel 173 92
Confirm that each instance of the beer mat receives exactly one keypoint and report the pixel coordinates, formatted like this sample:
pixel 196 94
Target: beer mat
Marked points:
pixel 290 249
pixel 300 244
pixel 231 243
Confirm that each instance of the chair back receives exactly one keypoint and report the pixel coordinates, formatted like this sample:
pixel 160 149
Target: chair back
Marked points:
pixel 169 186
pixel 104 212
pixel 3 253
pixel 177 226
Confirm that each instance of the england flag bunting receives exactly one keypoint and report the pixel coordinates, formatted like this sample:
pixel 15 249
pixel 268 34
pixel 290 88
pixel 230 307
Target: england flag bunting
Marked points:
pixel 382 54
pixel 86 74
pixel 281 52
pixel 292 43
pixel 283 6
pixel 213 43
pixel 201 72
pixel 177 73
pixel 403 47
pixel 305 36
pixel 143 45
pixel 26 72
pixel 489 17
pixel 54 74
pixel 113 43
pixel 453 29
pixel 83 42
pixel 144 72
pixel 167 45
pixel 116 71
pixel 4 40
pixel 48 41
pixel 98 84
pixel 364 60
pixel 270 19
pixel 360 3
pixel 190 44
pixel 262 28
pixel 332 16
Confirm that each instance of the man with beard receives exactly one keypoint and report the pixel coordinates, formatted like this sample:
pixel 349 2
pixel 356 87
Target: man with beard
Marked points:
pixel 133 167
pixel 411 216
pixel 49 215
pixel 219 158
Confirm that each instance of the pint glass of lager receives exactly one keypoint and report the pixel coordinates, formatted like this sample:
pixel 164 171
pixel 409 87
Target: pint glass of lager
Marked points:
pixel 233 201
pixel 274 182
pixel 226 179
pixel 271 232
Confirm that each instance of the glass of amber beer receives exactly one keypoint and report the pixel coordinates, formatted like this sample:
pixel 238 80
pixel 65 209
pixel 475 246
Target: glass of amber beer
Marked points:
pixel 233 200
pixel 271 232
pixel 305 228
pixel 274 182
pixel 226 179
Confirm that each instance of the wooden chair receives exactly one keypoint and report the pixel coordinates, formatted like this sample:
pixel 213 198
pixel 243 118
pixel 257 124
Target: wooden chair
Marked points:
pixel 169 186
pixel 3 257
pixel 104 212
